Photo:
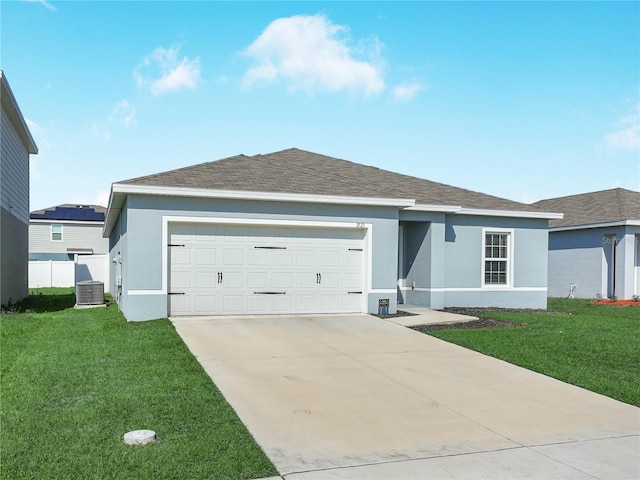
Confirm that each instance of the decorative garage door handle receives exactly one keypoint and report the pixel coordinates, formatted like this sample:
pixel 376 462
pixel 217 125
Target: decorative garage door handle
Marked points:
pixel 269 293
pixel 272 248
pixel 219 277
pixel 318 278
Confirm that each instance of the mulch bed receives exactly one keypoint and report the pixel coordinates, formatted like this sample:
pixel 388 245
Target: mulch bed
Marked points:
pixel 618 303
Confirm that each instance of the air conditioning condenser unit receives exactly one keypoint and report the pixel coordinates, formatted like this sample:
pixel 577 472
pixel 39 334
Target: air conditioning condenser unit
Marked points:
pixel 89 293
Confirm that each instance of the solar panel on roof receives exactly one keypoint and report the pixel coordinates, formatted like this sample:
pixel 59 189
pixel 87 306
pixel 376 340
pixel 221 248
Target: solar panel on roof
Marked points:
pixel 70 213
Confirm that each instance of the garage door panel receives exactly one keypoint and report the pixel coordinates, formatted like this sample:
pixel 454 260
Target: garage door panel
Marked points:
pixel 206 256
pixel 257 303
pixel 352 258
pixel 181 280
pixel 283 303
pixel 204 304
pixel 281 280
pixel 307 279
pixel 256 257
pixel 330 258
pixel 233 280
pixel 205 280
pixel 330 303
pixel 329 280
pixel 305 257
pixel 305 302
pixel 313 268
pixel 232 303
pixel 280 258
pixel 351 280
pixel 179 305
pixel 257 280
pixel 180 256
pixel 232 256
pixel 351 302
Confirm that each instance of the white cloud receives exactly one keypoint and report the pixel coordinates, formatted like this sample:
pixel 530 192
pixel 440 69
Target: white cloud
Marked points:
pixel 627 133
pixel 164 71
pixel 124 112
pixel 406 91
pixel 44 3
pixel 310 53
pixel 100 134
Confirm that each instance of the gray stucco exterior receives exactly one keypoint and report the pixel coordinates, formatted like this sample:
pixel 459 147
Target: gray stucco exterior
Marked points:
pixel 137 241
pixel 597 261
pixel 443 261
pixel 441 253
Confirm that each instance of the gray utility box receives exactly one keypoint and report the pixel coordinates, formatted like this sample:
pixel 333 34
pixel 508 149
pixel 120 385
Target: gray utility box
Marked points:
pixel 90 293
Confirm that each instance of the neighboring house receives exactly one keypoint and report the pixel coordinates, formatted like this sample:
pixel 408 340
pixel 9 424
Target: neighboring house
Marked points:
pixel 298 232
pixel 62 232
pixel 595 249
pixel 16 144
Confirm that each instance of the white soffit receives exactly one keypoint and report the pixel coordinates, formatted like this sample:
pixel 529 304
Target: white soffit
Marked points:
pixel 264 196
pixel 119 192
pixel 622 223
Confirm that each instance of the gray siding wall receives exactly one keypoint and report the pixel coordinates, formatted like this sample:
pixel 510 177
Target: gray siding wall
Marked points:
pixel 585 258
pixel 14 212
pixel 74 235
pixel 142 246
pixel 14 172
pixel 14 265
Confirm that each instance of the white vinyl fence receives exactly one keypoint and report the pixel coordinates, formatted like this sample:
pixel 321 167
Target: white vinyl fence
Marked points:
pixel 50 273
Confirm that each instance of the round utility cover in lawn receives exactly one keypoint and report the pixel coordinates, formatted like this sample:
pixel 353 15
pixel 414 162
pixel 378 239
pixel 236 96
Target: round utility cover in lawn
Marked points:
pixel 139 437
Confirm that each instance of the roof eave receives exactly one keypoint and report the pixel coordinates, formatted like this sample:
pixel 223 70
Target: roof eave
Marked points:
pixel 585 226
pixel 15 115
pixel 119 191
pixel 510 213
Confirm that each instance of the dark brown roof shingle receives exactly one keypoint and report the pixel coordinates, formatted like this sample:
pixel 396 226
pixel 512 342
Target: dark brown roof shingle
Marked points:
pixel 614 205
pixel 302 172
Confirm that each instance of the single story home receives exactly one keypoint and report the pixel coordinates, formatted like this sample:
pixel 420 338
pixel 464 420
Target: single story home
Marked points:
pixel 594 251
pixel 298 232
pixel 64 231
pixel 16 144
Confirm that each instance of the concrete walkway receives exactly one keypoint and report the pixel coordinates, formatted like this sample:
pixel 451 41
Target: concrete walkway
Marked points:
pixel 426 316
pixel 355 396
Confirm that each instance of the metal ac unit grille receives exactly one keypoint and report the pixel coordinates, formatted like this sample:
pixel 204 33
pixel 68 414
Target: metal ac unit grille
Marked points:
pixel 90 293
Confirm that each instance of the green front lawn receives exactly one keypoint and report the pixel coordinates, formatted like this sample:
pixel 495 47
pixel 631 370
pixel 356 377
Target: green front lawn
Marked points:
pixel 73 382
pixel 593 346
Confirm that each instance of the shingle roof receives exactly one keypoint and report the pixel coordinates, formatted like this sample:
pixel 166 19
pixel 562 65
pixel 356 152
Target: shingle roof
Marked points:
pixel 615 205
pixel 302 172
pixel 87 213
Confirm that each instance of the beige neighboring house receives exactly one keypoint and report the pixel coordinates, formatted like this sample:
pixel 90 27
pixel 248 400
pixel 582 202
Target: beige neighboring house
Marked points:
pixel 60 233
pixel 16 144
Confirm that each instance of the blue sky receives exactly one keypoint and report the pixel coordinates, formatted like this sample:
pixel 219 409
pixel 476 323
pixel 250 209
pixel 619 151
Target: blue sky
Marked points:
pixel 516 99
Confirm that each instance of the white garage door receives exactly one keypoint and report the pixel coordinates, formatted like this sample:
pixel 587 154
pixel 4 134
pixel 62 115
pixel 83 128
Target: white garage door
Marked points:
pixel 231 270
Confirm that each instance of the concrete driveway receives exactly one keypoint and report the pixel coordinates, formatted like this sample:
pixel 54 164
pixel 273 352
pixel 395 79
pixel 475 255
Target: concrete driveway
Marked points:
pixel 354 396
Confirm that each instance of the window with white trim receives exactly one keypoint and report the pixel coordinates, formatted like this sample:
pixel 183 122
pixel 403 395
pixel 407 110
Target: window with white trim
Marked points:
pixel 497 258
pixel 56 232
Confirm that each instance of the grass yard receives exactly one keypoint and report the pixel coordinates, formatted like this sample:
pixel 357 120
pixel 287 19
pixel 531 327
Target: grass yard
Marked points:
pixel 73 382
pixel 593 346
